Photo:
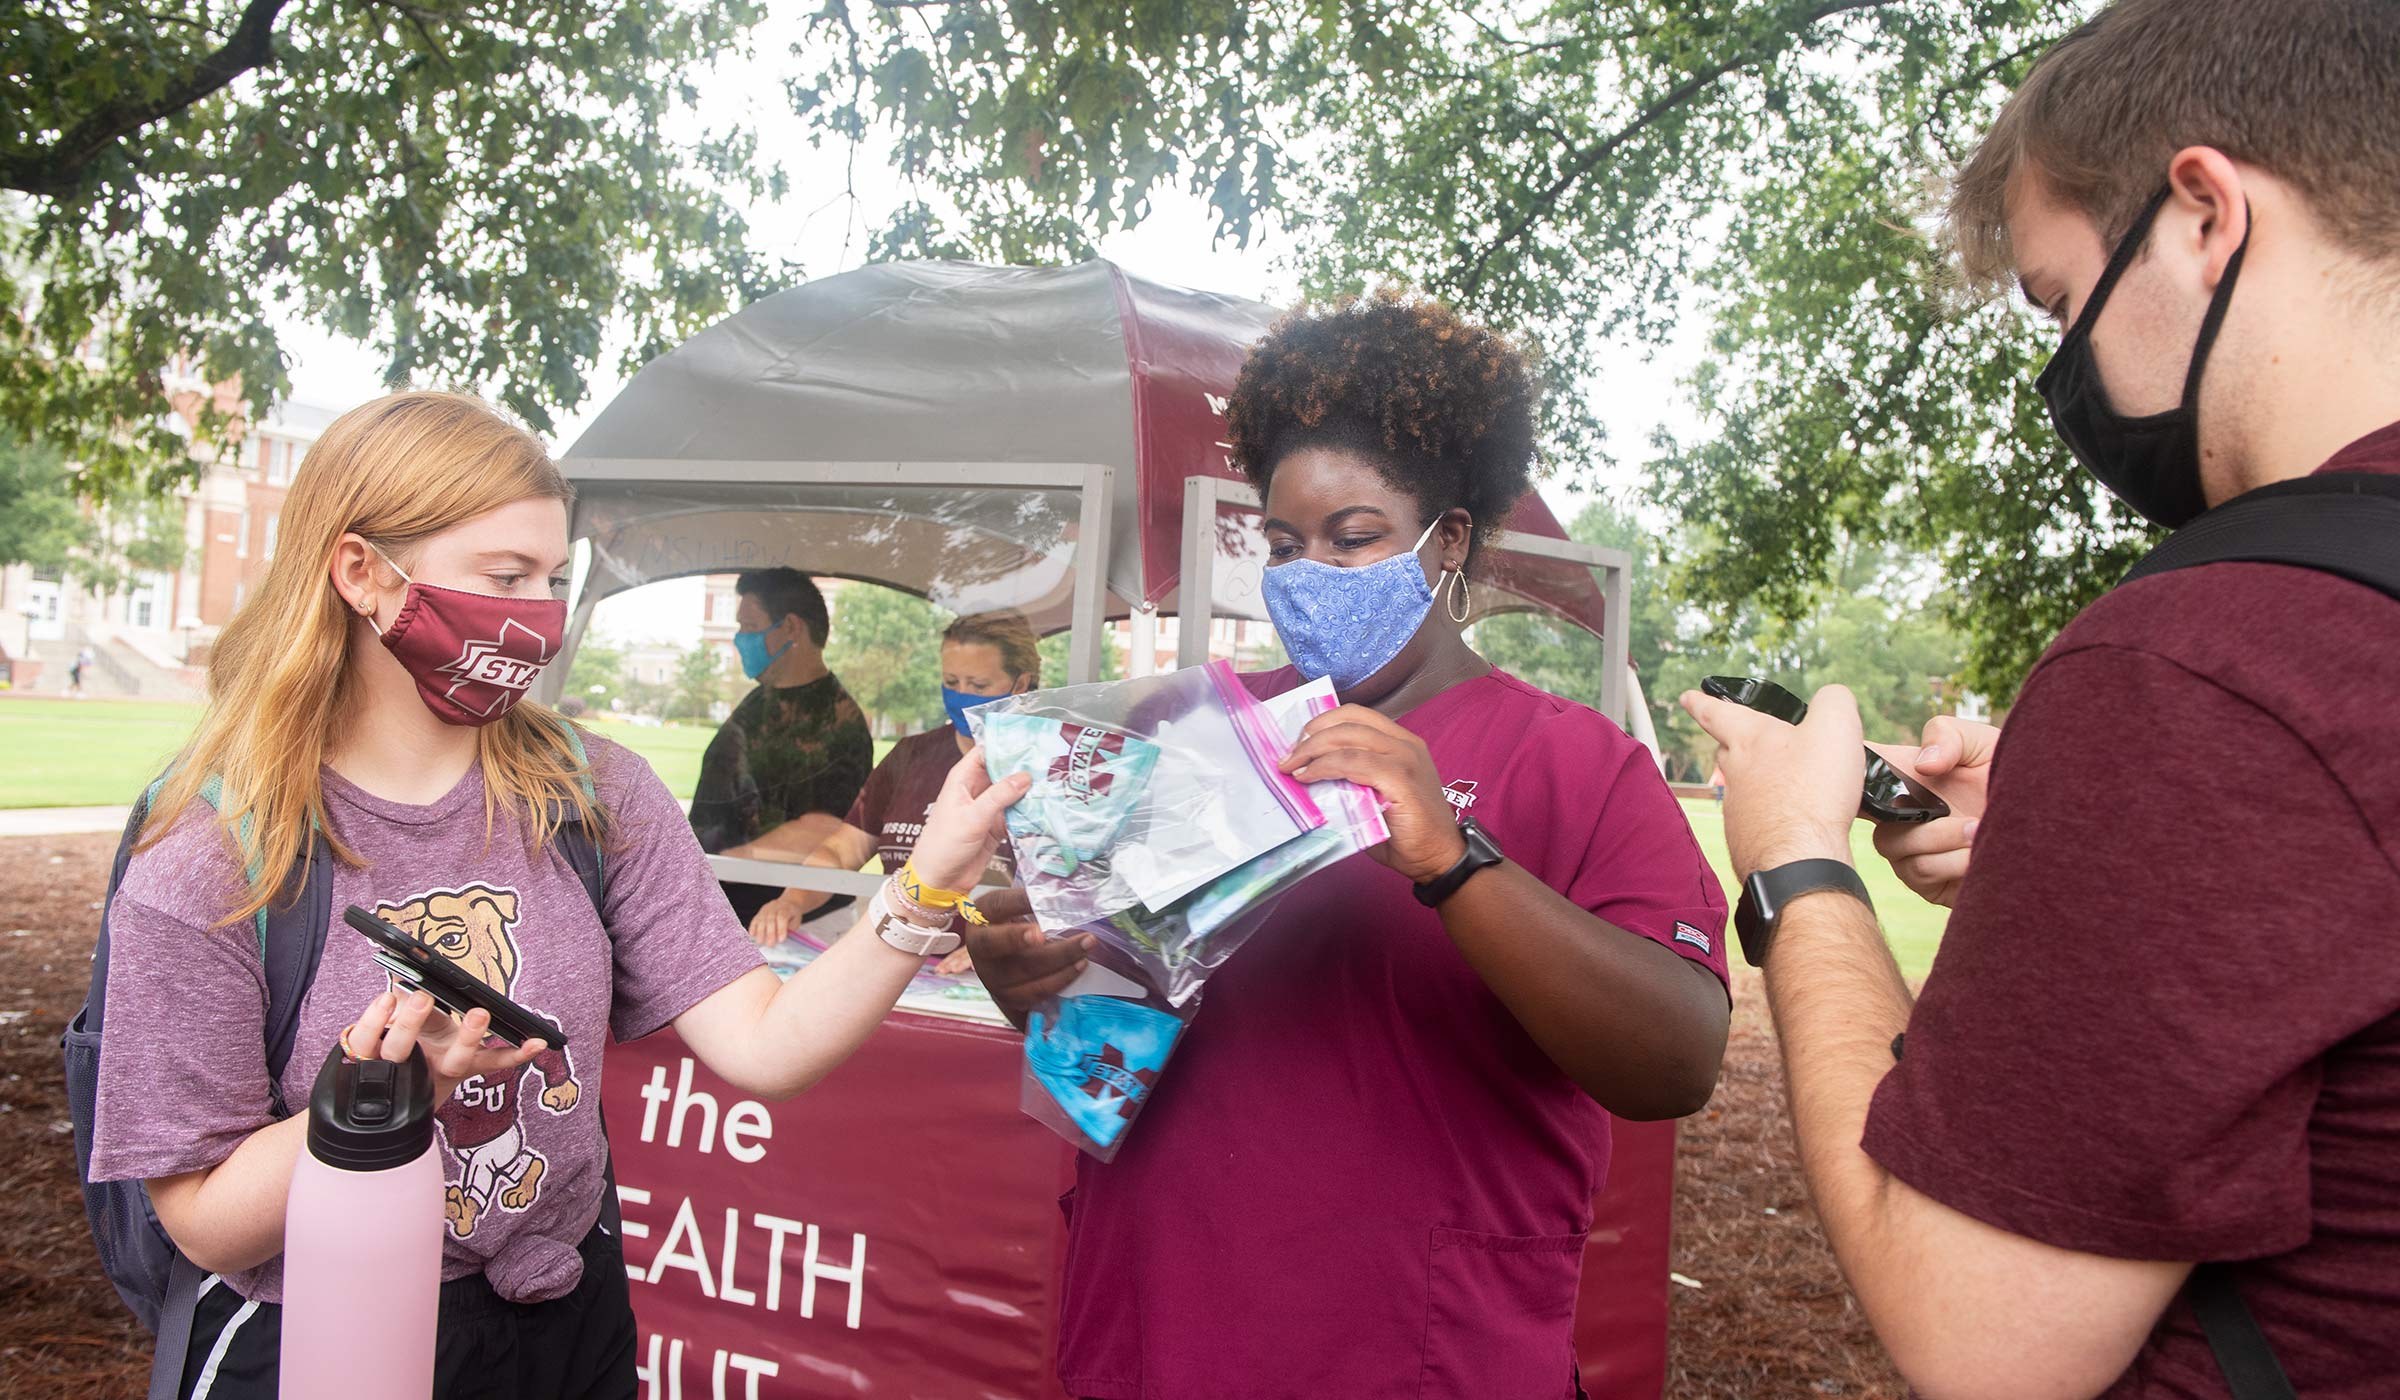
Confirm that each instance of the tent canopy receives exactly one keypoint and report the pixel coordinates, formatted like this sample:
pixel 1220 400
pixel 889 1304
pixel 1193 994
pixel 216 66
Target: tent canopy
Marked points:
pixel 778 436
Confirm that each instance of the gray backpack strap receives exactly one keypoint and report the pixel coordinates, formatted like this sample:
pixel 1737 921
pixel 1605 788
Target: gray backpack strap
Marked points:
pixel 175 1328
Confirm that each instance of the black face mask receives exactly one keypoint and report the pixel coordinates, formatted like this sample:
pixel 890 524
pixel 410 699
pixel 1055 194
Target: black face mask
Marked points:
pixel 2152 463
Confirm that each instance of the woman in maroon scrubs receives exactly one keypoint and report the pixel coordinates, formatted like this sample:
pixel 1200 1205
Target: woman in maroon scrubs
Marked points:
pixel 1370 1171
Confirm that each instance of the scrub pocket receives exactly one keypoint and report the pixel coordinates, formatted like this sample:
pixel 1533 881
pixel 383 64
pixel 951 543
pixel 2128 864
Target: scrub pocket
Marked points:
pixel 1499 1315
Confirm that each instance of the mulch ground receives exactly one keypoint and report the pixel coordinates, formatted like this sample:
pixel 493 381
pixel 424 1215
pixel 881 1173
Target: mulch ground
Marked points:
pixel 63 1330
pixel 1770 1317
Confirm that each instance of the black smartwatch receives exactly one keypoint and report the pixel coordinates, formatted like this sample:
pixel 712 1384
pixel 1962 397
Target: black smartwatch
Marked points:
pixel 1766 892
pixel 1481 851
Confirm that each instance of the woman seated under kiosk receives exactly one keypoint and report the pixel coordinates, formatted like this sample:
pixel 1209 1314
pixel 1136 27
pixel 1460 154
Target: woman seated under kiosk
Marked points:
pixel 984 656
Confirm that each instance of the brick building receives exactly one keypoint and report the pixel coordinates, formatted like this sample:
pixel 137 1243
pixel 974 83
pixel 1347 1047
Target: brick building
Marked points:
pixel 152 639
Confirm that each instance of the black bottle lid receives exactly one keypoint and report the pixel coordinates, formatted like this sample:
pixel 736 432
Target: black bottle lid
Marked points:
pixel 371 1115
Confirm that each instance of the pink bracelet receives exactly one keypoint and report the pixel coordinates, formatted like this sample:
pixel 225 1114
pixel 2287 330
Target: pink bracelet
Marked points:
pixel 924 916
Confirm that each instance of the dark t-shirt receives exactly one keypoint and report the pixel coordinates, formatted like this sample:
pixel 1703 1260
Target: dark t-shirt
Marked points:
pixel 900 792
pixel 1360 1177
pixel 2165 1020
pixel 784 752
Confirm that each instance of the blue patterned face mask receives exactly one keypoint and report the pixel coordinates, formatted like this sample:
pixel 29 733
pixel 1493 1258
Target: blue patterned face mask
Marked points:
pixel 1348 623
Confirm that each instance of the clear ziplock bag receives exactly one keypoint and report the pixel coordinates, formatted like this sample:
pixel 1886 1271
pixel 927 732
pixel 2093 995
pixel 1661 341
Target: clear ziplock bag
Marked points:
pixel 1095 1052
pixel 1144 791
pixel 1176 946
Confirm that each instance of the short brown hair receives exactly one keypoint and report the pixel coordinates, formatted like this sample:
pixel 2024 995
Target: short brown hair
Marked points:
pixel 1007 630
pixel 2307 89
pixel 784 591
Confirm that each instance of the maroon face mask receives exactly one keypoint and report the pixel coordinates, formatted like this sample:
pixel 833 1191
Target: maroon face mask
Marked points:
pixel 472 655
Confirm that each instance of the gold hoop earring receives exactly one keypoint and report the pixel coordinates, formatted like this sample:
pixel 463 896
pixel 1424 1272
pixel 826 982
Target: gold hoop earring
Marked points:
pixel 1457 593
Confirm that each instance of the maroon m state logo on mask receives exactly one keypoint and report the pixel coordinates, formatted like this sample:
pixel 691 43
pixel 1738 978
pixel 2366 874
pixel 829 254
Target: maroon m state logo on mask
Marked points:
pixel 508 662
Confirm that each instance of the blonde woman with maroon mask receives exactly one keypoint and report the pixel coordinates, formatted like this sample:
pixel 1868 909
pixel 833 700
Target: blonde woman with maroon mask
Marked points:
pixel 371 695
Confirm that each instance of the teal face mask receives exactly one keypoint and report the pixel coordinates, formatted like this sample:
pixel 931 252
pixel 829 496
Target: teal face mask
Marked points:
pixel 752 647
pixel 1086 782
pixel 1098 1057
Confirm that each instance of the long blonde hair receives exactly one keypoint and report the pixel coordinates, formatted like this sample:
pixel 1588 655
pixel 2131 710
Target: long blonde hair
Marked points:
pixel 394 471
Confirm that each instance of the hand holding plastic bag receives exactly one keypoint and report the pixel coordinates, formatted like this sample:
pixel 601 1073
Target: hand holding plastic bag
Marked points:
pixel 1143 790
pixel 1095 1052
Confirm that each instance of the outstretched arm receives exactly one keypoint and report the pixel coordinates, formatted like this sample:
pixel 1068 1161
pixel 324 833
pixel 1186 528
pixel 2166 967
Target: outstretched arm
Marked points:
pixel 775 1038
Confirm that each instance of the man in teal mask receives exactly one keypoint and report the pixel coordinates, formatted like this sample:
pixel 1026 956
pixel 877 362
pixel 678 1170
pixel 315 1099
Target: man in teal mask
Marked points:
pixel 791 758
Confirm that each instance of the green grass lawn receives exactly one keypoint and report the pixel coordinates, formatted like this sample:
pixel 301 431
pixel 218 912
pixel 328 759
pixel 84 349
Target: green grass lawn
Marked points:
pixel 99 753
pixel 1912 926
pixel 673 750
pixel 86 753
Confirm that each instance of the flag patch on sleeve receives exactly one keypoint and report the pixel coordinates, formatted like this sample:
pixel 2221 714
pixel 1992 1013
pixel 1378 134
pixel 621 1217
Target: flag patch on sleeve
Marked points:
pixel 1685 933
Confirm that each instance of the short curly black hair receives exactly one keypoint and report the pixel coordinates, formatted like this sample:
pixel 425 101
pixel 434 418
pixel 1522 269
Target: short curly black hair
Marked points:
pixel 1443 406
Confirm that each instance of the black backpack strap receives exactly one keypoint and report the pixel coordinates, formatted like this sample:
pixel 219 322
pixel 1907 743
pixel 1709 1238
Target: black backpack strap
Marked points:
pixel 576 842
pixel 2243 1354
pixel 582 849
pixel 2341 523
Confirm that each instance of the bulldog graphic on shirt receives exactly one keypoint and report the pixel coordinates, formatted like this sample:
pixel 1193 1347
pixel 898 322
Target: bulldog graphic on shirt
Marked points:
pixel 472 928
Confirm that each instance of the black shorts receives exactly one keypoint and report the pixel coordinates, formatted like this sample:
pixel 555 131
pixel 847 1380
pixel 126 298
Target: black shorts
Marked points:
pixel 579 1347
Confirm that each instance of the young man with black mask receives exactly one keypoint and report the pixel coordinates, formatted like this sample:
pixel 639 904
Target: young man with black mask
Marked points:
pixel 2164 1027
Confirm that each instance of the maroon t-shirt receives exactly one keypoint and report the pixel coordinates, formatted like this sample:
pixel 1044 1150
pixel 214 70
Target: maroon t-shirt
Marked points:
pixel 2165 1020
pixel 1360 1177
pixel 892 807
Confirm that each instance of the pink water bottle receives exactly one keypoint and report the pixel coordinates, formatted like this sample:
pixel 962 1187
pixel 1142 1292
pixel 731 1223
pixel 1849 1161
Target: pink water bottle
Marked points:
pixel 362 1236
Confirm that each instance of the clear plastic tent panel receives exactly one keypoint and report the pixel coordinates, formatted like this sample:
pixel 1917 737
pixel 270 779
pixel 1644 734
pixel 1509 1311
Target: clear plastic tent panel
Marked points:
pixel 963 549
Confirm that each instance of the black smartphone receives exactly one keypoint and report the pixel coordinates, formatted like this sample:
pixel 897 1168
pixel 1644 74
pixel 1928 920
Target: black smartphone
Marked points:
pixel 1890 795
pixel 420 969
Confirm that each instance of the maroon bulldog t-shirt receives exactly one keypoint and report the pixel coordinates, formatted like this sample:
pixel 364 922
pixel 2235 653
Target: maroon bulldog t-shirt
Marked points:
pixel 2165 1020
pixel 183 1078
pixel 1360 1178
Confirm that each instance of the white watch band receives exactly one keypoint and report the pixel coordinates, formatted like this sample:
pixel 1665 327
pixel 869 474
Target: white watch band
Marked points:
pixel 908 937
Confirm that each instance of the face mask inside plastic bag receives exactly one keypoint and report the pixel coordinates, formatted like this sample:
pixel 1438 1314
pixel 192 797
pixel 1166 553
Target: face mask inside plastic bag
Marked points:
pixel 1097 1058
pixel 1087 781
pixel 1143 790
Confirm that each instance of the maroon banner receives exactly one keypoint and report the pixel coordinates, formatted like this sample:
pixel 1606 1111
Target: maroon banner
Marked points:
pixel 892 1232
pixel 895 1230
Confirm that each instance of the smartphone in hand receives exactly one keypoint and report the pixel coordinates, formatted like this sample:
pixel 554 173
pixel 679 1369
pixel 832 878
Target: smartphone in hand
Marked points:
pixel 1890 795
pixel 420 969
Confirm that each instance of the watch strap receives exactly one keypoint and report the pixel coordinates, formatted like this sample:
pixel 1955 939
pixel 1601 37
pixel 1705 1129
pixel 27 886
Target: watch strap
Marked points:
pixel 1767 892
pixel 1481 851
pixel 914 939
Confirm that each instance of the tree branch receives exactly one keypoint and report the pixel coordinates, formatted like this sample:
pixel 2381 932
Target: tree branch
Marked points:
pixel 61 168
pixel 1591 156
